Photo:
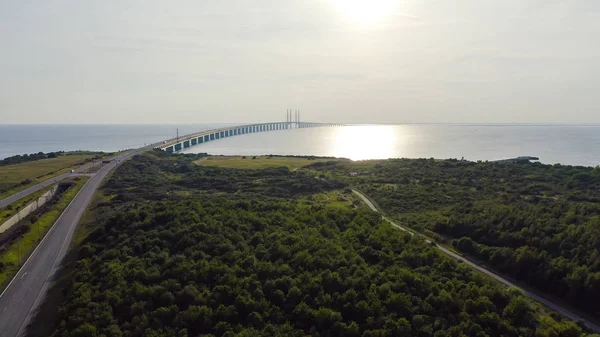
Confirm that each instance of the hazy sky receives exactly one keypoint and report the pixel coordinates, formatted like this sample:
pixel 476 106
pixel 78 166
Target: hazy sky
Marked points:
pixel 147 61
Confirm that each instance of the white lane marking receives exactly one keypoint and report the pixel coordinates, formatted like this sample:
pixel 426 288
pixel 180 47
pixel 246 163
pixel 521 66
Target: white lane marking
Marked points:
pixel 23 275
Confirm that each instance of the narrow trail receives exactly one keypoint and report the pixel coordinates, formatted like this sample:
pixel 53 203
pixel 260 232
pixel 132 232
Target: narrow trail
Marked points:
pixel 592 326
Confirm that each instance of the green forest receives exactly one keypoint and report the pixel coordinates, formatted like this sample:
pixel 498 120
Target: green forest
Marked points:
pixel 177 249
pixel 537 223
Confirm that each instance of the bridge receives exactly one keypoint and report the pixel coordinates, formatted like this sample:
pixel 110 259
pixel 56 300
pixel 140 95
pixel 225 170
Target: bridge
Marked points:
pixel 26 291
pixel 180 143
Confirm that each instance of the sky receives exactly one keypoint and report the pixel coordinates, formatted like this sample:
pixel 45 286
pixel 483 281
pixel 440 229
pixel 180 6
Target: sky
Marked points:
pixel 346 61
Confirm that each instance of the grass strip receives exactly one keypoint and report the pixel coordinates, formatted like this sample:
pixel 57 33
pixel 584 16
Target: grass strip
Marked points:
pixel 9 257
pixel 258 162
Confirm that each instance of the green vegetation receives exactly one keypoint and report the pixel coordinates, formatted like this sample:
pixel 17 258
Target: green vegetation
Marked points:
pixel 93 169
pixel 9 255
pixel 16 177
pixel 10 210
pixel 18 159
pixel 28 157
pixel 177 249
pixel 538 223
pixel 258 162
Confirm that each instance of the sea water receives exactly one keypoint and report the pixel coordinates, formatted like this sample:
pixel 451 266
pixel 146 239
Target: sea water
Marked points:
pixel 565 144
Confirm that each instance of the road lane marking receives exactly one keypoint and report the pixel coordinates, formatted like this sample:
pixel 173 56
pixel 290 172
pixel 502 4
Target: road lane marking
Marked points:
pixel 23 275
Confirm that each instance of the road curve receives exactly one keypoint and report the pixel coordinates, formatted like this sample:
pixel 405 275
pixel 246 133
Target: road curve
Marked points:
pixel 28 287
pixel 550 304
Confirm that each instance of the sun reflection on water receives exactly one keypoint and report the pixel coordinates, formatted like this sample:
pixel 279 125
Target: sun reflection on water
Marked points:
pixel 364 142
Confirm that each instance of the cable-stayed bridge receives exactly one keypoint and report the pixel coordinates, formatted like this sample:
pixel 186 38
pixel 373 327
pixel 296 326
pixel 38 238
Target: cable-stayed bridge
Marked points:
pixel 184 142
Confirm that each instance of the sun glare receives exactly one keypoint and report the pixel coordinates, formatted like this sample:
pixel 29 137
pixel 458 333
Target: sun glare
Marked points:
pixel 364 142
pixel 365 11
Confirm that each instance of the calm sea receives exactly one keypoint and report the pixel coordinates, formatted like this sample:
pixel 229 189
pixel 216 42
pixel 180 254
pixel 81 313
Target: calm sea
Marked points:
pixel 565 144
pixel 21 139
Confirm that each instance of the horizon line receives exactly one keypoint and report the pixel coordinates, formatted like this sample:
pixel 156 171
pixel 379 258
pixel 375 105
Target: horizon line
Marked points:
pixel 348 124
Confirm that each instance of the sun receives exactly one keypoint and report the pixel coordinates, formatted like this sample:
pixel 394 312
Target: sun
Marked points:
pixel 365 11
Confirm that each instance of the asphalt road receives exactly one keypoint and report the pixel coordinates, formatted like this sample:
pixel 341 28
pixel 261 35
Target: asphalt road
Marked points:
pixel 27 289
pixel 552 305
pixel 20 195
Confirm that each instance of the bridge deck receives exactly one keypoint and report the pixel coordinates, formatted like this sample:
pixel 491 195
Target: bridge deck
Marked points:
pixel 177 144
